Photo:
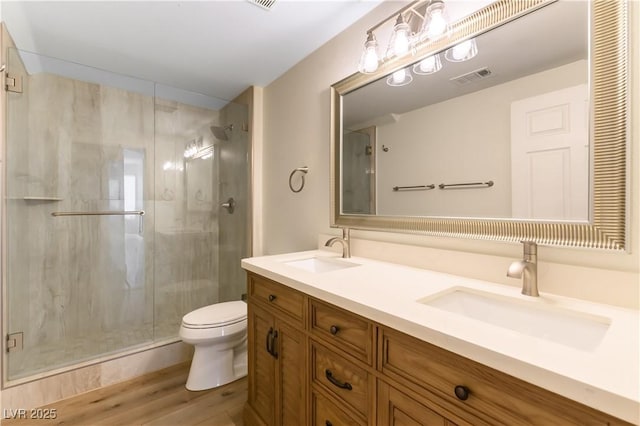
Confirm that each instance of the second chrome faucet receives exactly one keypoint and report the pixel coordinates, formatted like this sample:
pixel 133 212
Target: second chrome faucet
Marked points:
pixel 346 250
pixel 527 269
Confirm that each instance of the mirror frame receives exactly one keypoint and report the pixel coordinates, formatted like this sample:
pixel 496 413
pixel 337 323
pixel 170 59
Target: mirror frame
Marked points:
pixel 609 131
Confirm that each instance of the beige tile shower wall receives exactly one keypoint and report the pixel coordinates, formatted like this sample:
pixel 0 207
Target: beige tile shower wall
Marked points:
pixel 297 132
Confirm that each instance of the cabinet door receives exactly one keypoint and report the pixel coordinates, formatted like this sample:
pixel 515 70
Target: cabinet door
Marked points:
pixel 262 365
pixel 291 385
pixel 397 409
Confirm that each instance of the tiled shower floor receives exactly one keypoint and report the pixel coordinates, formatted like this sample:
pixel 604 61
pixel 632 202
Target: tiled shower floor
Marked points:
pixel 67 352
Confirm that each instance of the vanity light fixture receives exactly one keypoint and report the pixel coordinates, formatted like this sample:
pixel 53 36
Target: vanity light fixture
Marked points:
pixel 434 19
pixel 403 37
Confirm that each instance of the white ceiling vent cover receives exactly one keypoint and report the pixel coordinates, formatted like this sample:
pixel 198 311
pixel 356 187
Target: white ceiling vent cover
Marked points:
pixel 470 77
pixel 264 4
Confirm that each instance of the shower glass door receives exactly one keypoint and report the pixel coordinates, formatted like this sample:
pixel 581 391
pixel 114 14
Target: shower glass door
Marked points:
pixel 78 196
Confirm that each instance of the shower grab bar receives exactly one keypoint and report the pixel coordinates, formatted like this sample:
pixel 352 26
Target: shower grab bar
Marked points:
pixel 488 184
pixel 103 213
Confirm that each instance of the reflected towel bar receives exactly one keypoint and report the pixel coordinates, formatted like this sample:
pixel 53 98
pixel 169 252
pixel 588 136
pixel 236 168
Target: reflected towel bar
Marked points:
pixel 104 213
pixel 469 185
pixel 414 188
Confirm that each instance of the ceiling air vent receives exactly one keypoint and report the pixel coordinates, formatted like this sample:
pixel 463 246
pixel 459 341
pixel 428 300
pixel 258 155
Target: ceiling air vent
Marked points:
pixel 470 77
pixel 264 4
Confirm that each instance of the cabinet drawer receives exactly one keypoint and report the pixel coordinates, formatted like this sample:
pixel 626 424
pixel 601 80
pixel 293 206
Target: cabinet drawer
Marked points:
pixel 276 295
pixel 492 395
pixel 325 413
pixel 344 329
pixel 345 380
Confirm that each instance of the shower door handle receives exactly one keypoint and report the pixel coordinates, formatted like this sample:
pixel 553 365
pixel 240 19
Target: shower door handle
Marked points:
pixel 230 205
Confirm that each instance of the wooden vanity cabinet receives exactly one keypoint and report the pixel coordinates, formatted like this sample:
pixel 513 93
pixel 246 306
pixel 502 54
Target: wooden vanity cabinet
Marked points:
pixel 277 355
pixel 312 363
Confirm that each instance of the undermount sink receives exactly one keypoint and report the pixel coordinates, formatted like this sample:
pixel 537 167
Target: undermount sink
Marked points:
pixel 320 264
pixel 533 318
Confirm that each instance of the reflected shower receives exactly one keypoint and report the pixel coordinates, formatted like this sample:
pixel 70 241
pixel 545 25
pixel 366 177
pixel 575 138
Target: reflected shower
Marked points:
pixel 220 132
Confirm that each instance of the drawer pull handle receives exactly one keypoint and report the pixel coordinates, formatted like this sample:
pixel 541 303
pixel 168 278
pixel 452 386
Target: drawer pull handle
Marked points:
pixel 334 329
pixel 328 423
pixel 272 297
pixel 336 382
pixel 462 392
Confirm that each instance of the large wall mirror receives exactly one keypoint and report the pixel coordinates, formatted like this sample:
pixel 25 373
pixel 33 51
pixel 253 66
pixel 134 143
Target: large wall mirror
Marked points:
pixel 527 140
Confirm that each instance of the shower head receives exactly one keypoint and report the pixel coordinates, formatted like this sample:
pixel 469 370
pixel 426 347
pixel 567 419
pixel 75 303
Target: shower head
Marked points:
pixel 220 132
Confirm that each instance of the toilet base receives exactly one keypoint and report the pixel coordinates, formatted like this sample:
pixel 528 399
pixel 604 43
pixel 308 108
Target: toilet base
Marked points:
pixel 212 367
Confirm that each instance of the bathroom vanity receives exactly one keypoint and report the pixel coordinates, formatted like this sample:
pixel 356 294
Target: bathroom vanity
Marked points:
pixel 360 342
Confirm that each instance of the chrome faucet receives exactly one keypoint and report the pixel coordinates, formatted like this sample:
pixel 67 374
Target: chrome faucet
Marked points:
pixel 346 251
pixel 527 269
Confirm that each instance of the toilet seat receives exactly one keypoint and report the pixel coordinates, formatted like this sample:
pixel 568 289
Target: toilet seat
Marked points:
pixel 217 315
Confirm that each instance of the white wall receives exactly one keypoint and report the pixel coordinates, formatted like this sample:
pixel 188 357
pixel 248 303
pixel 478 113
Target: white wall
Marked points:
pixel 297 133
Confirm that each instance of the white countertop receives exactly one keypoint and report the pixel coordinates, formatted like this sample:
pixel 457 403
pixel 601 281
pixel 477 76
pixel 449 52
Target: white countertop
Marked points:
pixel 606 378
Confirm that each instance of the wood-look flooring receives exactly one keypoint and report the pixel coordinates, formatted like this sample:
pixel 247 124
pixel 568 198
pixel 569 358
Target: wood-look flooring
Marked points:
pixel 155 399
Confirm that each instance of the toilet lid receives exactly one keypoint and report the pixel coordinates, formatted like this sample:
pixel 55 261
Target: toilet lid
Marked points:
pixel 216 315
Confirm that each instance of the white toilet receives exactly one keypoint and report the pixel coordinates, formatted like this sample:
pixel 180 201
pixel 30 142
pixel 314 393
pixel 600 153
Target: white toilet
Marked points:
pixel 219 334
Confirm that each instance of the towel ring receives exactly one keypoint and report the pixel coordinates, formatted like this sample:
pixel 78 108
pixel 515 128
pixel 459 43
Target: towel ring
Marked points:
pixel 304 171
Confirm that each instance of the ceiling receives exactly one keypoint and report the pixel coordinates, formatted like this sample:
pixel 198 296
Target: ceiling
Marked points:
pixel 217 48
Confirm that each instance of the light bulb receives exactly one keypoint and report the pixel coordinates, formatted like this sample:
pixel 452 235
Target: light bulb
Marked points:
pixel 400 78
pixel 462 51
pixel 369 60
pixel 429 65
pixel 400 42
pixel 438 24
pixel 370 63
pixel 436 21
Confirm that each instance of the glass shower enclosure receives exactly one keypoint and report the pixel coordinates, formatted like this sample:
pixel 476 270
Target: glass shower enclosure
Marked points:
pixel 117 209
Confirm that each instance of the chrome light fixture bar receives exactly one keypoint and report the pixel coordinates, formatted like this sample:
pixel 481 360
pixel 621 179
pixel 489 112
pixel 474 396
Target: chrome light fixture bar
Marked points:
pixel 434 24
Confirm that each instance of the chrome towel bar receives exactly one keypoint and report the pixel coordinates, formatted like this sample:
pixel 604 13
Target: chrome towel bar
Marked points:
pixel 414 188
pixel 103 213
pixel 469 185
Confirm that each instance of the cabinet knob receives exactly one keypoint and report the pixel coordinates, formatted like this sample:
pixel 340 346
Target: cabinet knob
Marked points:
pixel 462 392
pixel 272 297
pixel 334 329
pixel 328 423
